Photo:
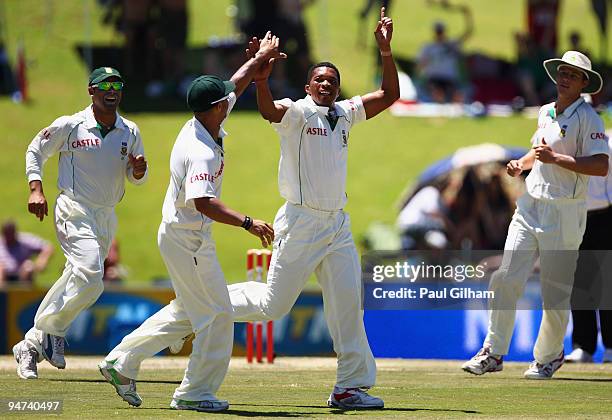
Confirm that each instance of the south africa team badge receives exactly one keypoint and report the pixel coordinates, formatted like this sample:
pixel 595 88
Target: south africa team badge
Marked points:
pixel 344 139
pixel 123 150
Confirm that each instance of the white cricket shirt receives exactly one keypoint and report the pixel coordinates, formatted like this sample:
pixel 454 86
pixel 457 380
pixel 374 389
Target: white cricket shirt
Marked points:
pixel 578 132
pixel 312 167
pixel 196 171
pixel 92 169
pixel 600 187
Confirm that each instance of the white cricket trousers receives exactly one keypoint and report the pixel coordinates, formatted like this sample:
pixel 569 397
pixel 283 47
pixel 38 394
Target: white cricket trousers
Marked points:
pixel 552 230
pixel 85 233
pixel 308 241
pixel 202 306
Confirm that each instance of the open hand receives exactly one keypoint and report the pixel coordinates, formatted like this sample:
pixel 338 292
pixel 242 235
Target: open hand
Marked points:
pixel 263 231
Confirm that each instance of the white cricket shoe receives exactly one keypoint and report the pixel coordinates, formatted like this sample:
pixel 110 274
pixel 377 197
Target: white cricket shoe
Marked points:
pixel 176 347
pixel 53 350
pixel 353 398
pixel 544 371
pixel 607 356
pixel 26 356
pixel 484 362
pixel 579 356
pixel 208 406
pixel 125 387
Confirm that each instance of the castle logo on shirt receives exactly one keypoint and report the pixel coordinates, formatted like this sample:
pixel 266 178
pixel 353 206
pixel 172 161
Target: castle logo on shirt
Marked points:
pixel 86 144
pixel 598 136
pixel 203 176
pixel 316 131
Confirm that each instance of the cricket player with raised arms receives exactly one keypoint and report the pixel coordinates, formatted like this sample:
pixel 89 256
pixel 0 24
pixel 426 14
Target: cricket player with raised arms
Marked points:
pixel 312 231
pixel 202 305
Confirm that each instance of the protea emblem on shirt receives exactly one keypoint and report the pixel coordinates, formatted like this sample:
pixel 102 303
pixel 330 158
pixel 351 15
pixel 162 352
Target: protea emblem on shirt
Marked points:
pixel 123 150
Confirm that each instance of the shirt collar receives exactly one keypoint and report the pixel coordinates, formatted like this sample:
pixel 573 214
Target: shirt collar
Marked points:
pixel 568 111
pixel 323 110
pixel 202 134
pixel 91 122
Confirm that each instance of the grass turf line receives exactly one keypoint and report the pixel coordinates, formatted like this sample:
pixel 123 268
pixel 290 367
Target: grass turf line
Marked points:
pixel 299 387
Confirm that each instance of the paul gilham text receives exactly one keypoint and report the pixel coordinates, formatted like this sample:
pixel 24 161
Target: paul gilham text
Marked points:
pixel 425 293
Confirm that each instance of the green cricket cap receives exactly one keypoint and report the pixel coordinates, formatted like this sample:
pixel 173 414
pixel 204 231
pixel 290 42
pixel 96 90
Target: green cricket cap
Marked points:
pixel 102 73
pixel 205 91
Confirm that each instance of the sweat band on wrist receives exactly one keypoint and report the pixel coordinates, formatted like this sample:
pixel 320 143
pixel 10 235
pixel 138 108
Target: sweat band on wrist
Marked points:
pixel 386 53
pixel 247 224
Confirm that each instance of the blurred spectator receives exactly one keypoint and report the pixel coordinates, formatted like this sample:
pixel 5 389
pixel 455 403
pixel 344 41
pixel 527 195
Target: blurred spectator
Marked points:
pixel 114 272
pixel 363 14
pixel 465 213
pixel 170 40
pixel 439 64
pixel 589 292
pixel 575 41
pixel 542 24
pixel 531 76
pixel 426 212
pixel 16 251
pixel 285 19
pixel 496 213
pixel 138 58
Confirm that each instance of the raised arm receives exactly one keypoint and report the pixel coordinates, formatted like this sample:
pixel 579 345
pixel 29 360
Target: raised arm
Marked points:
pixel 469 23
pixel 381 99
pixel 258 54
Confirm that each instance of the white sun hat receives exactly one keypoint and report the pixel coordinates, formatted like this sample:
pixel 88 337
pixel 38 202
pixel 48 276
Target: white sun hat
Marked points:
pixel 578 61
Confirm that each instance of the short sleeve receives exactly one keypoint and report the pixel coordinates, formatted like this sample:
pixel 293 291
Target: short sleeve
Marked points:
pixel 199 181
pixel 594 137
pixel 293 118
pixel 354 109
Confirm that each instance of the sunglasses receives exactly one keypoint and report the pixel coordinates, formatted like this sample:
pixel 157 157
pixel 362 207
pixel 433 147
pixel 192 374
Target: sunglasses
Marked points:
pixel 105 86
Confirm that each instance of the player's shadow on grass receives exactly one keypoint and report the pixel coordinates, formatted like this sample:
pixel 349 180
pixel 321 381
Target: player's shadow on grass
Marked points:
pixel 240 413
pixel 104 381
pixel 584 379
pixel 402 409
pixel 365 410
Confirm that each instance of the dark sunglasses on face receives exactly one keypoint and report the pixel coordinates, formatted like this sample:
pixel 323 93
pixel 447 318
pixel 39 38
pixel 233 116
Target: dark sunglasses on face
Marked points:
pixel 106 86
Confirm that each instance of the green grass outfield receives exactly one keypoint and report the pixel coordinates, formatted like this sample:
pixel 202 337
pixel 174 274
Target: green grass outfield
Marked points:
pixel 299 387
pixel 385 153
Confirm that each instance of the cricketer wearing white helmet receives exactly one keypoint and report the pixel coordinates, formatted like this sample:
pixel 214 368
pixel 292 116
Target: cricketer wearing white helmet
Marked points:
pixel 202 305
pixel 98 149
pixel 569 146
pixel 312 232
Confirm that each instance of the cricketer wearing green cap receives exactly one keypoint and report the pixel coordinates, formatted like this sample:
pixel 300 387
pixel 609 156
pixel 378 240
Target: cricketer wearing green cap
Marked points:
pixel 206 91
pixel 103 73
pixel 98 149
pixel 202 306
